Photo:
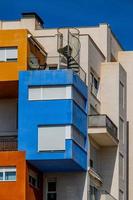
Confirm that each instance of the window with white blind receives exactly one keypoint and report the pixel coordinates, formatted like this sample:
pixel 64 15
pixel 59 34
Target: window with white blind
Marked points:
pixel 7 173
pixel 8 54
pixel 55 92
pixel 52 138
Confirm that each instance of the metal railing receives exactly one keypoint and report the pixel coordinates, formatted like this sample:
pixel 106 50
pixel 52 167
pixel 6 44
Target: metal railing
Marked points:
pixel 107 196
pixel 96 194
pixel 103 121
pixel 59 61
pixel 8 143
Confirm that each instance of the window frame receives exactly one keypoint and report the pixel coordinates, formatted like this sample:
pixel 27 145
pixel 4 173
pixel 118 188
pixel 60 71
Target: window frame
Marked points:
pixel 34 176
pixel 51 192
pixel 6 59
pixel 5 170
pixel 94 83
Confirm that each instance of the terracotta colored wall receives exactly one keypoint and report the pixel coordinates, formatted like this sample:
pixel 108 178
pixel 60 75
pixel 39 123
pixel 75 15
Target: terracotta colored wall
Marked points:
pixel 33 193
pixel 14 190
pixel 12 38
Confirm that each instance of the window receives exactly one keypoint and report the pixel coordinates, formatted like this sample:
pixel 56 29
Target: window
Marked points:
pixel 49 93
pixel 52 138
pixel 121 131
pixel 122 95
pixel 94 84
pixel 121 166
pixel 8 54
pixel 91 163
pixel 53 93
pixel 51 189
pixel 7 173
pixel 34 179
pixel 93 111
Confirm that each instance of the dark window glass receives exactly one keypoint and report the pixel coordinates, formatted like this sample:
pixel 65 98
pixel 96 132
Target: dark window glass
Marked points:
pixel 51 186
pixel 51 196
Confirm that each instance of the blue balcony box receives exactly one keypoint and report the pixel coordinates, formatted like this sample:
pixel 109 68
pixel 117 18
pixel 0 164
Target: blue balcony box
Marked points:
pixel 53 120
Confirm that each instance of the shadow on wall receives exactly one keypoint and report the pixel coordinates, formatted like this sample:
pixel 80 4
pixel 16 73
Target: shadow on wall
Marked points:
pixel 70 186
pixel 108 164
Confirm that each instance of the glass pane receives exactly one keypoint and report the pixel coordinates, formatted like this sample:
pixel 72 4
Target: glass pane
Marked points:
pixel 51 186
pixel 10 176
pixel 95 83
pixel 1 176
pixel 51 196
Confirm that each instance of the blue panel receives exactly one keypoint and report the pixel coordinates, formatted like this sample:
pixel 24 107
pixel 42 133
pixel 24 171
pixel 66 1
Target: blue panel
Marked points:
pixel 73 159
pixel 54 77
pixel 51 112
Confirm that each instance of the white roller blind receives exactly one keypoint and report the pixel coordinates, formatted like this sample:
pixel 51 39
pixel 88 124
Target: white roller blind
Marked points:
pixel 2 54
pixel 11 53
pixel 49 93
pixel 8 53
pixel 35 93
pixel 51 138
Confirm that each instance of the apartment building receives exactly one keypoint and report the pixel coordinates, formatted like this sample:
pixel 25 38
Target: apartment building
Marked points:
pixel 84 72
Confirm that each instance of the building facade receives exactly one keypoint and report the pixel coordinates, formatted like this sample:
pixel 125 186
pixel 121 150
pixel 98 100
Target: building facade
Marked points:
pixel 56 86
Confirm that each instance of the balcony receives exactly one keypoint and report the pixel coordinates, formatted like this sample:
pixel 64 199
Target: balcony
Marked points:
pixel 95 176
pixel 8 143
pixel 102 130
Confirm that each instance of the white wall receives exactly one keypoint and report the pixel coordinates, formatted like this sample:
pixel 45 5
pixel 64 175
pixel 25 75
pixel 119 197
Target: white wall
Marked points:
pixel 126 60
pixel 111 76
pixel 70 186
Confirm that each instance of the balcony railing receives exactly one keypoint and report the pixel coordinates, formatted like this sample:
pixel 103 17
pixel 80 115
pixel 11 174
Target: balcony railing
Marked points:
pixel 96 194
pixel 96 121
pixel 107 196
pixel 61 63
pixel 8 143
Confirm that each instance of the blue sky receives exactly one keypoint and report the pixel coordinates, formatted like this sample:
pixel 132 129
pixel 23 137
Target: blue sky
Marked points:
pixel 60 13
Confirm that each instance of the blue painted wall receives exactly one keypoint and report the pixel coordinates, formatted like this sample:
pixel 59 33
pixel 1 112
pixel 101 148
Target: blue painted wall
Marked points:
pixel 51 112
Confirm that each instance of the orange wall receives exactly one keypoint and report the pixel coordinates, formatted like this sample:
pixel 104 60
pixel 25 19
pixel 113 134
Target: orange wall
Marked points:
pixel 10 38
pixel 14 190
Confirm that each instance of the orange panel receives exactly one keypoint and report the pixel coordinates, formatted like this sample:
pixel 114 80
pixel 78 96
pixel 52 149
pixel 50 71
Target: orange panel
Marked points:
pixel 14 190
pixel 14 38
